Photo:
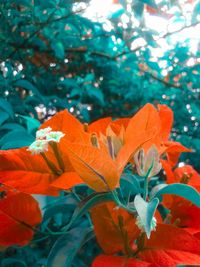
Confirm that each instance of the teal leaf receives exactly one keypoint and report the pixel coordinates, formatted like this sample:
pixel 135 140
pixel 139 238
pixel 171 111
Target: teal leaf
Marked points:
pixel 16 139
pixel 130 185
pixel 117 14
pixel 196 12
pixel 63 207
pixel 23 2
pixel 138 8
pixel 3 117
pixel 6 106
pixel 89 202
pixel 96 94
pixel 150 3
pixel 146 212
pixel 11 126
pixel 67 246
pixel 28 86
pixel 13 262
pixel 31 123
pixel 181 190
pixel 58 49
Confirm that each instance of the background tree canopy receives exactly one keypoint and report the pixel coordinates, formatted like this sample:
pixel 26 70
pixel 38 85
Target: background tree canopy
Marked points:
pixel 58 54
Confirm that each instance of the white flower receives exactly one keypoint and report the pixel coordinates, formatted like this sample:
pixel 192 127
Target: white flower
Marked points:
pixel 41 134
pixel 145 162
pixel 48 135
pixel 54 136
pixel 38 147
pixel 141 226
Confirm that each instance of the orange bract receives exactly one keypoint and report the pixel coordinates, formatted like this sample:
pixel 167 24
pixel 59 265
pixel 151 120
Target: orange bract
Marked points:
pixel 119 261
pixel 183 213
pixel 30 173
pixel 94 166
pixel 101 167
pixel 167 247
pixel 96 156
pixel 19 214
pixel 25 172
pixel 111 237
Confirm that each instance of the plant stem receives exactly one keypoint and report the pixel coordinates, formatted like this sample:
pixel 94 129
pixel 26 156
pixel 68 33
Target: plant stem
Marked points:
pixel 50 164
pixel 58 155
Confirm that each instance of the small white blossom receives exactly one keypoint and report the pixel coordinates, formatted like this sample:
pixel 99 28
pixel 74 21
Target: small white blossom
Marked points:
pixel 38 147
pixel 54 136
pixel 41 134
pixel 141 226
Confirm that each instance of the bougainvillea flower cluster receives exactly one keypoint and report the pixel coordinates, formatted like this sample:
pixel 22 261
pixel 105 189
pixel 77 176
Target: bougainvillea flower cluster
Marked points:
pixel 139 218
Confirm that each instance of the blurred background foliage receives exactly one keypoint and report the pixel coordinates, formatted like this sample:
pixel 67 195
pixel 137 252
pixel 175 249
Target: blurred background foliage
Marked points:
pixel 98 58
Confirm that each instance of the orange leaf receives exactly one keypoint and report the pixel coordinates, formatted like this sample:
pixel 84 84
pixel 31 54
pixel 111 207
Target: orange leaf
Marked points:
pixel 170 245
pixel 67 180
pixel 166 117
pixel 168 171
pixel 105 218
pixel 188 170
pixel 63 121
pixel 118 261
pixel 19 213
pixel 170 258
pixel 145 120
pixel 185 213
pixel 25 172
pixel 173 150
pixel 143 130
pixel 100 125
pixel 169 237
pixel 94 166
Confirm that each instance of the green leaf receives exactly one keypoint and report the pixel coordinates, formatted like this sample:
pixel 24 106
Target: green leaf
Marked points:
pixel 67 246
pixel 89 202
pixel 146 212
pixel 6 106
pixel 182 190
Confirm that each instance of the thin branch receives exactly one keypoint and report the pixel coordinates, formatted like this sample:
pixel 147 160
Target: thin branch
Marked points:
pixel 42 25
pixel 162 81
pixel 161 37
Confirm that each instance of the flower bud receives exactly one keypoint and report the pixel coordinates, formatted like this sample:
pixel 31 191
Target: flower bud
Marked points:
pixel 149 161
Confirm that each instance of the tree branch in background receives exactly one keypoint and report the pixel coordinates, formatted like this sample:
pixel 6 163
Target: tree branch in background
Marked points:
pixel 161 37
